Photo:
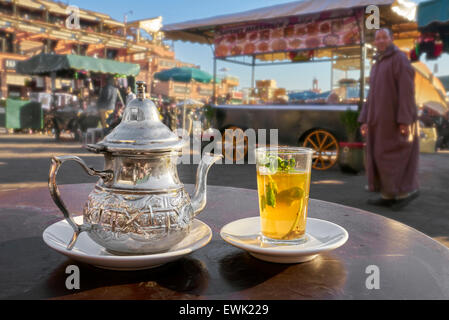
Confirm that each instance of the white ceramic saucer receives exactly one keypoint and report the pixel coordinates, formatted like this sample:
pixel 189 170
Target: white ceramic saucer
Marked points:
pixel 321 235
pixel 58 235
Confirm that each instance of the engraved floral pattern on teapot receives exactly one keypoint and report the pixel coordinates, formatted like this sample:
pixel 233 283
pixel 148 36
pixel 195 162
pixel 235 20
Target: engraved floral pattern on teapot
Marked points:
pixel 139 205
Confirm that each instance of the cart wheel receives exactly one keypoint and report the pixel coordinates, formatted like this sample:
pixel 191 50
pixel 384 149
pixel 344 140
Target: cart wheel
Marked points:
pixel 239 138
pixel 326 148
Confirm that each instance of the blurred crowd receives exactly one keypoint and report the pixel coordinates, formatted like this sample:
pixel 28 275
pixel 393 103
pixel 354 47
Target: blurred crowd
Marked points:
pixel 78 110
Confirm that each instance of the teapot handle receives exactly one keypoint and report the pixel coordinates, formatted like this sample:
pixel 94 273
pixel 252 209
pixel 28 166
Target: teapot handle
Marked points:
pixel 56 163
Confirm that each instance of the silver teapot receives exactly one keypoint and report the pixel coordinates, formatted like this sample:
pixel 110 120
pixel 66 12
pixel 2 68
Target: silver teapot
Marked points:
pixel 139 205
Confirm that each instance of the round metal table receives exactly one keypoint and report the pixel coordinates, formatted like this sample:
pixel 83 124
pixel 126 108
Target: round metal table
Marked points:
pixel 411 265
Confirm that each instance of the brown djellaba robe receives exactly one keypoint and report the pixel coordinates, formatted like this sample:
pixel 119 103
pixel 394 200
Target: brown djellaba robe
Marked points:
pixel 391 158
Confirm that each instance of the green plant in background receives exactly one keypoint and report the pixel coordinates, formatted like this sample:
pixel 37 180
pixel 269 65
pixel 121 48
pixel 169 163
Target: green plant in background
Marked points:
pixel 349 120
pixel 209 112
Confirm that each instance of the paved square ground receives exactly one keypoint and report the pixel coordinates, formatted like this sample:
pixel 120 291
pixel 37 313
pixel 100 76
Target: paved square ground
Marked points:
pixel 25 162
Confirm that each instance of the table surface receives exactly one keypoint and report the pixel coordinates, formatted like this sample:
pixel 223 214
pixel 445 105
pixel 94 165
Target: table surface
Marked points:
pixel 411 264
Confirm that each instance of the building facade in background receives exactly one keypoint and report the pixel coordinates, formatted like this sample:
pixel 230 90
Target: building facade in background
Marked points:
pixel 30 27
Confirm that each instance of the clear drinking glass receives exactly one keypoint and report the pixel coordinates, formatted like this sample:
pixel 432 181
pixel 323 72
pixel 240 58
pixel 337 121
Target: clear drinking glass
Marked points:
pixel 283 183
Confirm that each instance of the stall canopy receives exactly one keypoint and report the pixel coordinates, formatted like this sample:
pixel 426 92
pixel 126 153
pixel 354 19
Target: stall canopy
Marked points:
pixel 275 33
pixel 296 32
pixel 202 31
pixel 433 14
pixel 65 66
pixel 429 89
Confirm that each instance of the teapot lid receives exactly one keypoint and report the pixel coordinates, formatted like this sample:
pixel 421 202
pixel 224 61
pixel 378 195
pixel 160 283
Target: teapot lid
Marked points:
pixel 140 130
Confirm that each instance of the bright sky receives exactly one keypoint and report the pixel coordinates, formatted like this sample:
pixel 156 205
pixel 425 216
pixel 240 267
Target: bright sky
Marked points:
pixel 291 77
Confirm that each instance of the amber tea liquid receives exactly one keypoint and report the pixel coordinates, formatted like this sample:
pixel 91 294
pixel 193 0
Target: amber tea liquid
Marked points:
pixel 283 203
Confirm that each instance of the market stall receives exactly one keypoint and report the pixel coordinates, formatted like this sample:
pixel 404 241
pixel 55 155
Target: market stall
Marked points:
pixel 309 31
pixel 187 76
pixel 299 32
pixel 433 23
pixel 77 68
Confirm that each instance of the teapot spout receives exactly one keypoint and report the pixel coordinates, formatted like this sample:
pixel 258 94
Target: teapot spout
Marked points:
pixel 199 198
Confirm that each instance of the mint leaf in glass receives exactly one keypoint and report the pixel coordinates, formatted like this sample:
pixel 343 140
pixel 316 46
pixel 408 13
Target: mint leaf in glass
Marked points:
pixel 274 165
pixel 290 195
pixel 271 195
pixel 271 190
pixel 277 164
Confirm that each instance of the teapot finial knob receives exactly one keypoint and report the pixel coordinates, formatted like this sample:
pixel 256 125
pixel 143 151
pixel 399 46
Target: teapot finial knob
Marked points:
pixel 140 90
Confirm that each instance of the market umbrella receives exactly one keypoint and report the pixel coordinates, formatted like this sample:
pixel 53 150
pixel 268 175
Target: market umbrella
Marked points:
pixel 186 75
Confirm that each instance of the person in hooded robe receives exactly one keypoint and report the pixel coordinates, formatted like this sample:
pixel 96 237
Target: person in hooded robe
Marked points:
pixel 389 121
